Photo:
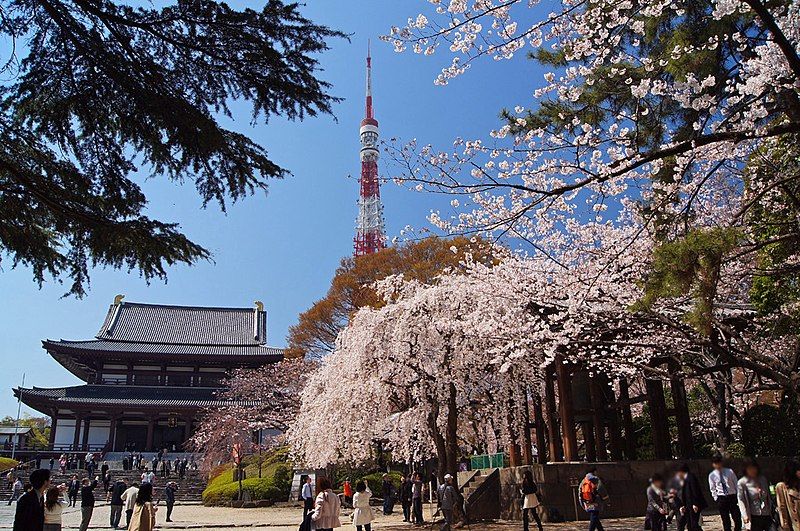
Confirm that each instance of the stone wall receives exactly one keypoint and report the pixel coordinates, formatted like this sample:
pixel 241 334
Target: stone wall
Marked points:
pixel 625 481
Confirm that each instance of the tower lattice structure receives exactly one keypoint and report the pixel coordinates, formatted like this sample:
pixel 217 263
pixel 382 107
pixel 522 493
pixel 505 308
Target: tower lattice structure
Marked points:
pixel 369 226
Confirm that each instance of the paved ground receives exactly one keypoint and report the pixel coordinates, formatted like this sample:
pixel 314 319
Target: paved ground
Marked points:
pixel 287 519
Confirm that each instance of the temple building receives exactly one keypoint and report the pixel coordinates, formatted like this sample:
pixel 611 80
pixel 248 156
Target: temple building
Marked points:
pixel 150 372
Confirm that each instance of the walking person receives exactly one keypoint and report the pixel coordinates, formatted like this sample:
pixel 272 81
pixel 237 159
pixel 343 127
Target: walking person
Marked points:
pixel 129 502
pixel 447 500
pixel 103 472
pixel 593 495
pixel 144 513
pixel 787 493
pixel 722 483
pixel 675 489
pixel 327 507
pixel 388 492
pixel 52 462
pixel 657 504
pixel 406 498
pixel 692 500
pixel 347 491
pixel 29 513
pixel 117 489
pixel 16 490
pixel 73 488
pixel 87 501
pixel 169 495
pixel 308 497
pixel 530 501
pixel 148 476
pixel 417 488
pixel 362 512
pixel 755 502
pixel 54 504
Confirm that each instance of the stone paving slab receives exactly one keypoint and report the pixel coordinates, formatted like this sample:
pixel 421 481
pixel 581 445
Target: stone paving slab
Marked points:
pixel 197 517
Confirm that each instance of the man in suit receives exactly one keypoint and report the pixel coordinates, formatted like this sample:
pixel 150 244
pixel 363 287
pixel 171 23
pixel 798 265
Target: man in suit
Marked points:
pixel 692 500
pixel 30 507
pixel 73 489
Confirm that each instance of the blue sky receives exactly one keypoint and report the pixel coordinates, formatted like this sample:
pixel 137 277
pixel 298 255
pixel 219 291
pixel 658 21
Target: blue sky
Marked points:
pixel 282 248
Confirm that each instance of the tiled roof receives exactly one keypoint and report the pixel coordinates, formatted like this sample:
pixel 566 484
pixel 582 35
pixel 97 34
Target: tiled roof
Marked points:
pixel 184 325
pixel 171 349
pixel 128 395
pixel 10 430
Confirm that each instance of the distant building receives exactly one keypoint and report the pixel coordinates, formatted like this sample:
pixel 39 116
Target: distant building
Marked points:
pixel 149 373
pixel 8 434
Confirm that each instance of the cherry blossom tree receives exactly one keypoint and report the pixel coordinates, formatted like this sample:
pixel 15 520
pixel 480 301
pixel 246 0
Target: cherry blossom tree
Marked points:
pixel 258 405
pixel 653 165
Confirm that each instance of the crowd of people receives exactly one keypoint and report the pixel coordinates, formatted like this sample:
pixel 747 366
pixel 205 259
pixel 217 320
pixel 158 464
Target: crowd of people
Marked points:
pixel 748 500
pixel 40 505
pixel 322 506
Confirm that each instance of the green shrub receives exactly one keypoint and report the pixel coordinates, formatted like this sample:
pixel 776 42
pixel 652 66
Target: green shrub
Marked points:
pixel 7 463
pixel 273 485
pixel 375 481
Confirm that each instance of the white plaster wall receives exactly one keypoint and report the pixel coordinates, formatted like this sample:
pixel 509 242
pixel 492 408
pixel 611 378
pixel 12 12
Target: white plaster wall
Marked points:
pixel 65 431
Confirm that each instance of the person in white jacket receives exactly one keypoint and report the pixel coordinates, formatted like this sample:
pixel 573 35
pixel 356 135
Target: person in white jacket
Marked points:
pixel 362 512
pixel 326 507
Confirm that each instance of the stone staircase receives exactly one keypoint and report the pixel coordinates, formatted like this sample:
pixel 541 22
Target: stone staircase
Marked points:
pixel 482 494
pixel 190 488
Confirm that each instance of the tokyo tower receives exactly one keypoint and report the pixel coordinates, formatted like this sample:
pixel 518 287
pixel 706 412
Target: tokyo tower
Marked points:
pixel 369 226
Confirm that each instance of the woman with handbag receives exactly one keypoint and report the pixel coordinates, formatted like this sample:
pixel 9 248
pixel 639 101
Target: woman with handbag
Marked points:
pixel 326 507
pixel 787 493
pixel 362 512
pixel 530 501
pixel 755 502
pixel 144 514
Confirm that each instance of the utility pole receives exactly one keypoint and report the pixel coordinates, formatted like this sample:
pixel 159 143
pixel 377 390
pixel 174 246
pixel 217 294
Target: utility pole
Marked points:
pixel 16 424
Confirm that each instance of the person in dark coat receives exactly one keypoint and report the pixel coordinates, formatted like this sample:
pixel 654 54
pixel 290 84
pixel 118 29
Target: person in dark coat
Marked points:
pixel 692 500
pixel 169 495
pixel 406 498
pixel 73 488
pixel 116 502
pixel 29 515
pixel 87 501
pixel 388 492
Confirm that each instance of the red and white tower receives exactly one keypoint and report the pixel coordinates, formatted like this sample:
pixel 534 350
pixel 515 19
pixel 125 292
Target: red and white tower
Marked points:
pixel 369 226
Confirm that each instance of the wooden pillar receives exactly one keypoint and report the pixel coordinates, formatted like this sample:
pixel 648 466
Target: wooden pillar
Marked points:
pixel 76 440
pixel 589 442
pixel 53 426
pixel 151 424
pixel 527 451
pixel 541 442
pixel 682 419
pixel 112 432
pixel 129 376
pixel 627 420
pixel 556 450
pixel 565 404
pixel 614 434
pixel 658 418
pixel 85 442
pixel 598 417
pixel 187 430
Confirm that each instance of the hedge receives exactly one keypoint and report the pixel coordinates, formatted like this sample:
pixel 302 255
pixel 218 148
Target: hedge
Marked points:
pixel 375 481
pixel 273 485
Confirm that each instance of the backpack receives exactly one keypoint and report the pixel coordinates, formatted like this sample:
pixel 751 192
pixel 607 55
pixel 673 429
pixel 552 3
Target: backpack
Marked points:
pixel 588 491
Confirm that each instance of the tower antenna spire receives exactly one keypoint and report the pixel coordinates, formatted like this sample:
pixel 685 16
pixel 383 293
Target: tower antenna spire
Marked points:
pixel 369 226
